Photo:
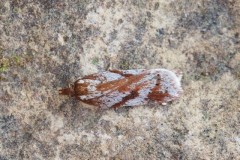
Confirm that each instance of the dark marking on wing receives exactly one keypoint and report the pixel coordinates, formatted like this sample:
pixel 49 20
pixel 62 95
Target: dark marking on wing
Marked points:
pixel 121 73
pixel 156 95
pixel 132 95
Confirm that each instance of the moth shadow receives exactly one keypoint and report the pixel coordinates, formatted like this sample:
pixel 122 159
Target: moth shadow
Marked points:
pixel 78 116
pixel 124 109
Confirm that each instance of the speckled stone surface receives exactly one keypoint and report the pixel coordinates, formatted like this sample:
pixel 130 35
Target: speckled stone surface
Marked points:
pixel 46 44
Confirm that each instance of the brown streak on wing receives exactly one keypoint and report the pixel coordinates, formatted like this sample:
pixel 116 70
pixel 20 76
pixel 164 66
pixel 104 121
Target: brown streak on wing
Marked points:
pixel 120 72
pixel 155 95
pixel 121 84
pixel 133 95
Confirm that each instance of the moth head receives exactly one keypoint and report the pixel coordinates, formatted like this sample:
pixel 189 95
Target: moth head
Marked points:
pixel 69 91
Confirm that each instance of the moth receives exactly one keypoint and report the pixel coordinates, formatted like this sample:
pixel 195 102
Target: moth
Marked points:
pixel 116 88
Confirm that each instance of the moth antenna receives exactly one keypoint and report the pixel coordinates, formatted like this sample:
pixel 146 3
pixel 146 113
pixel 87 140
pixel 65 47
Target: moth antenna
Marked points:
pixel 67 91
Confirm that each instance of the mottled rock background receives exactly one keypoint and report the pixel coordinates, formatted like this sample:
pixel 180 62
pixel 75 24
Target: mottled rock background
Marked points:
pixel 46 44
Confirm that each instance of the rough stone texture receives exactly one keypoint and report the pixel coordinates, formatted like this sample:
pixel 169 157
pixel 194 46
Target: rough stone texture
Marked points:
pixel 46 44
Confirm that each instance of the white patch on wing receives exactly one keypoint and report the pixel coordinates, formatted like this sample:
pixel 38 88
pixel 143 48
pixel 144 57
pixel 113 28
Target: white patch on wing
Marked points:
pixel 133 71
pixel 90 96
pixel 92 82
pixel 80 81
pixel 112 98
pixel 139 100
pixel 111 76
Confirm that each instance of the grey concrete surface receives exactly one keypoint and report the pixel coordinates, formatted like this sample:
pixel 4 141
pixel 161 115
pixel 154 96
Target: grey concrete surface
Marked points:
pixel 46 44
